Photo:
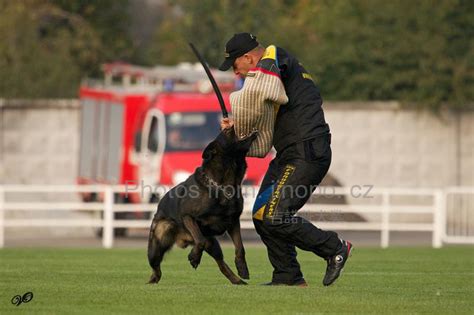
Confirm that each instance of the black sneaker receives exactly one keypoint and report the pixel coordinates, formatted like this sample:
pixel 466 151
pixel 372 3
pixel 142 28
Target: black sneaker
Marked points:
pixel 337 262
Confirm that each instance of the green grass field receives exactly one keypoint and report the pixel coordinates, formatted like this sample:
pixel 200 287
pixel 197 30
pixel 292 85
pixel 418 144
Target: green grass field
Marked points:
pixel 86 281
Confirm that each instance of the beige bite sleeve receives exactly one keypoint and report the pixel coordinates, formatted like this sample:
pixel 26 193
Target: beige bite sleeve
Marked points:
pixel 253 107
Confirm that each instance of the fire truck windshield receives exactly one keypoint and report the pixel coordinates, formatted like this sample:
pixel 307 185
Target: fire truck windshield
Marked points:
pixel 191 131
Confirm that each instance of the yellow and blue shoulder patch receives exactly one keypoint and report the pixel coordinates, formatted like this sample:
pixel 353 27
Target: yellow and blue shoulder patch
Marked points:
pixel 269 62
pixel 270 53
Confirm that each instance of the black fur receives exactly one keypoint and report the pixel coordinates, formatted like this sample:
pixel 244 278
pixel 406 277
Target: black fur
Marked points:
pixel 207 204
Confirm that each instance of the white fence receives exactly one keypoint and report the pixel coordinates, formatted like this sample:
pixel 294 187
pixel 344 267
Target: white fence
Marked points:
pixel 460 212
pixel 380 204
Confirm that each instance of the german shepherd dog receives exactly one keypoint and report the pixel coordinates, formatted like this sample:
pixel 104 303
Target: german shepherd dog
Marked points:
pixel 207 204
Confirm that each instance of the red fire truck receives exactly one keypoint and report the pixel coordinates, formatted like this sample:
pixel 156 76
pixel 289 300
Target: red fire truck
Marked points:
pixel 144 127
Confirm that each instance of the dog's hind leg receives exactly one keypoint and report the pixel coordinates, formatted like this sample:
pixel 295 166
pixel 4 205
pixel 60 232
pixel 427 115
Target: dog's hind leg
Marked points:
pixel 214 250
pixel 161 239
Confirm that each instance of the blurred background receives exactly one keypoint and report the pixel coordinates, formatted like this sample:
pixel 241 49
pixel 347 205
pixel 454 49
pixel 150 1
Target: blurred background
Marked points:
pixel 108 92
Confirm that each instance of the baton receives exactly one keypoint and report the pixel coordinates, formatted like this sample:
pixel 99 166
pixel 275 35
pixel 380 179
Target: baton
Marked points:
pixel 213 81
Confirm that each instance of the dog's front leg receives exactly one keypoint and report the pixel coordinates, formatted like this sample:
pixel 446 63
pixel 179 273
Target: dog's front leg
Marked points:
pixel 195 255
pixel 240 262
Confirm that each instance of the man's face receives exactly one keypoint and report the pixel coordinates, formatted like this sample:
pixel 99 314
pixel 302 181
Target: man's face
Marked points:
pixel 243 64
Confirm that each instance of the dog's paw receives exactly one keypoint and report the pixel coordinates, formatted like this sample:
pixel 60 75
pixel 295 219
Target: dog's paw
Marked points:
pixel 154 279
pixel 242 268
pixel 194 259
pixel 240 282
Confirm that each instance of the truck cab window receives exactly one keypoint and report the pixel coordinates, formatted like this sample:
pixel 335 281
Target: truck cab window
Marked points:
pixel 191 131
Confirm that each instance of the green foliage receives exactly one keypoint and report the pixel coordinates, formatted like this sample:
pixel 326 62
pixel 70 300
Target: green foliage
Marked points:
pixel 416 52
pixel 358 50
pixel 209 24
pixel 47 47
pixel 110 19
pixel 396 50
pixel 43 50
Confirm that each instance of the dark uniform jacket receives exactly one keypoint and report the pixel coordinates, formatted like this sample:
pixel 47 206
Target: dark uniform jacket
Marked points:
pixel 302 117
pixel 281 101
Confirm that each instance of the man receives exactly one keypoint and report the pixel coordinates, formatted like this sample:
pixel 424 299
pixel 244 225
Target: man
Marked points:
pixel 301 137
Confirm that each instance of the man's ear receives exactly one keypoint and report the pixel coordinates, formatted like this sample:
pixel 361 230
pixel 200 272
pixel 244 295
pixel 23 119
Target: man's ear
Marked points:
pixel 209 151
pixel 248 58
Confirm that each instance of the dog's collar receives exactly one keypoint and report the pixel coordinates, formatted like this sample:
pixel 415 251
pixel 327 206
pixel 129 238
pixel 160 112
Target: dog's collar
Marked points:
pixel 209 182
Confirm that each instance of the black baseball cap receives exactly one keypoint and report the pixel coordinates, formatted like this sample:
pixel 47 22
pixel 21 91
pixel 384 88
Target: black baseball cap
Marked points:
pixel 237 46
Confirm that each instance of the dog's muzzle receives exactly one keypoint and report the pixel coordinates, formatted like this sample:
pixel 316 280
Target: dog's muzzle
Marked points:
pixel 242 136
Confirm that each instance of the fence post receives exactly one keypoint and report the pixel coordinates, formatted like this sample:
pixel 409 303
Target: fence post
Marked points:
pixel 108 229
pixel 2 217
pixel 385 230
pixel 439 218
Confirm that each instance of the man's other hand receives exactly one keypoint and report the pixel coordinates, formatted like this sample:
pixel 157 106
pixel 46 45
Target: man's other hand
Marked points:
pixel 226 123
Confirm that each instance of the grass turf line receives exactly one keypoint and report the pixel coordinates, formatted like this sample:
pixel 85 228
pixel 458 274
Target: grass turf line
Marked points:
pixel 87 281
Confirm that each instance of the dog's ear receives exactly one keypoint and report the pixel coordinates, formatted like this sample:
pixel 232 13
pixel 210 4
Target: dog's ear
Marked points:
pixel 209 151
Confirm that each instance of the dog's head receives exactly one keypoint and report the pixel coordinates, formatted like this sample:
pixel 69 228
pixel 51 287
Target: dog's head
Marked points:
pixel 227 143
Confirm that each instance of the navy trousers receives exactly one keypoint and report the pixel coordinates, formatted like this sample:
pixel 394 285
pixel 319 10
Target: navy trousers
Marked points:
pixel 290 180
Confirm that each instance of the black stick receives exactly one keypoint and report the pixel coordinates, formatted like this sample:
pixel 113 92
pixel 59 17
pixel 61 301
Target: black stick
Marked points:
pixel 213 82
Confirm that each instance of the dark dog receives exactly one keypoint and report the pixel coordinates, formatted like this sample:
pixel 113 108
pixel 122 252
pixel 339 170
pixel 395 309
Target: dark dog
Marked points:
pixel 207 204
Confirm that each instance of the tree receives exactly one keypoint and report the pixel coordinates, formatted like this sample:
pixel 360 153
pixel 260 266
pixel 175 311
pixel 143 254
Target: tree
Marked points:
pixel 209 23
pixel 44 51
pixel 110 20
pixel 396 50
pixel 357 50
